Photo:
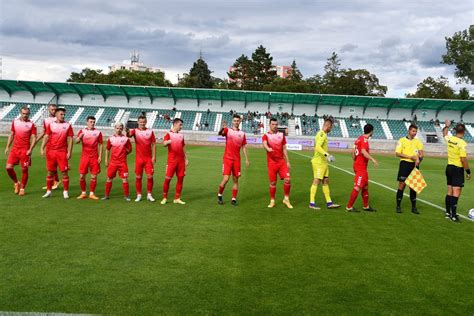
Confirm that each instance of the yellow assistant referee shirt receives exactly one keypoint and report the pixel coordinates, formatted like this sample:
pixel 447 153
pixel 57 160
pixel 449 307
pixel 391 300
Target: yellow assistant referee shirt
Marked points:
pixel 320 147
pixel 456 150
pixel 409 147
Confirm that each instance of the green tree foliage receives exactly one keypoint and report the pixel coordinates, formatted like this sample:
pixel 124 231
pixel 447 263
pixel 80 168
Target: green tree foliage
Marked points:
pixel 123 77
pixel 431 88
pixel 199 76
pixel 359 82
pixel 241 77
pixel 295 74
pixel 460 53
pixel 262 68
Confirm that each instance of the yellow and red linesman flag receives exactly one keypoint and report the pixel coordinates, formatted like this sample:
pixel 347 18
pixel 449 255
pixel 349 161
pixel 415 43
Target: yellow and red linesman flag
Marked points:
pixel 415 181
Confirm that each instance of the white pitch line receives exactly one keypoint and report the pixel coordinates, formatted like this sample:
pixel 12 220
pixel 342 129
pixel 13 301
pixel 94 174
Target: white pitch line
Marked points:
pixel 387 187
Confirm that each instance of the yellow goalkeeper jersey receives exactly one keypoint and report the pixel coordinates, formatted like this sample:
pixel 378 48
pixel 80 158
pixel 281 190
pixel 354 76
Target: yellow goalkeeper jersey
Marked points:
pixel 320 147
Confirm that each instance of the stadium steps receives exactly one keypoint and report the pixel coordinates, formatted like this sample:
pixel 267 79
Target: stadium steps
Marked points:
pixel 197 120
pixel 70 111
pixel 8 112
pixel 107 117
pixel 291 128
pixel 76 116
pixel 125 117
pixel 98 114
pixel 37 116
pixel 150 118
pixel 344 131
pixel 386 129
pixel 298 122
pixel 119 115
pixel 218 122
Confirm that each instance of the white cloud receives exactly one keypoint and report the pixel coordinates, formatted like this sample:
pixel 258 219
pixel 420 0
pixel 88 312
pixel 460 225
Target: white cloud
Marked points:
pixel 399 41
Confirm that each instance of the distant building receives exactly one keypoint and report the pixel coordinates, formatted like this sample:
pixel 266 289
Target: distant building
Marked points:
pixel 133 65
pixel 282 71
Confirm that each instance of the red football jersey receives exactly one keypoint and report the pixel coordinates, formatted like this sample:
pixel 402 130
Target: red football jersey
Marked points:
pixel 48 121
pixel 23 131
pixel 275 141
pixel 143 141
pixel 234 140
pixel 360 162
pixel 57 135
pixel 119 145
pixel 176 148
pixel 90 141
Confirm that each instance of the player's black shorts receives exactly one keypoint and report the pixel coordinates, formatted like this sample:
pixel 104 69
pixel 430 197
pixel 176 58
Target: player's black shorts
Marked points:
pixel 404 170
pixel 455 176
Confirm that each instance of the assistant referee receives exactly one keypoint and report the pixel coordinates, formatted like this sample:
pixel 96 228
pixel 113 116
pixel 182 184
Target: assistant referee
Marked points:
pixel 457 165
pixel 410 151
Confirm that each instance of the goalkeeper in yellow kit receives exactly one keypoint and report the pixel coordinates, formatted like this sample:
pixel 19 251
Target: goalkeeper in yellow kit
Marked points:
pixel 321 167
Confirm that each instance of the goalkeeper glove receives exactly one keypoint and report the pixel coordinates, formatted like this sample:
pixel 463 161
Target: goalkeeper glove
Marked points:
pixel 330 158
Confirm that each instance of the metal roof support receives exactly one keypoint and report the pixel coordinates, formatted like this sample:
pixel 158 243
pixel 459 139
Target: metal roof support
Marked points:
pixel 416 106
pixel 172 94
pixel 269 97
pixel 464 110
pixel 56 92
pixel 222 99
pixel 149 94
pixel 101 92
pixel 442 106
pixel 126 94
pixel 317 104
pixel 245 100
pixel 367 105
pixel 29 89
pixel 77 91
pixel 8 90
pixel 391 106
pixel 342 104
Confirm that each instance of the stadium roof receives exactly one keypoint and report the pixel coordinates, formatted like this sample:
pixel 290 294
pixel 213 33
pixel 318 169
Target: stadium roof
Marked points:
pixel 107 90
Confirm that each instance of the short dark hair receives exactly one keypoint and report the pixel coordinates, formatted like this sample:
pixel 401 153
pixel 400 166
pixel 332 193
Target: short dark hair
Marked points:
pixel 368 128
pixel 53 105
pixel 460 128
pixel 25 108
pixel 142 117
pixel 329 119
pixel 236 116
pixel 61 110
pixel 412 126
pixel 90 117
pixel 176 120
pixel 273 119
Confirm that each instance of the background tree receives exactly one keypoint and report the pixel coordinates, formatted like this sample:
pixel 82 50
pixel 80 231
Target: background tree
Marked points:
pixel 332 72
pixel 434 89
pixel 199 76
pixel 460 53
pixel 262 68
pixel 241 77
pixel 359 82
pixel 295 74
pixel 123 77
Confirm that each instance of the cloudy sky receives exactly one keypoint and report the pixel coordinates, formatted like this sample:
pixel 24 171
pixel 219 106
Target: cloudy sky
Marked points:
pixel 400 41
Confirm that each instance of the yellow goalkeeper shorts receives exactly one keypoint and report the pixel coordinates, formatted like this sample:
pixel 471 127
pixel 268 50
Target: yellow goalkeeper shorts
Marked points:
pixel 320 170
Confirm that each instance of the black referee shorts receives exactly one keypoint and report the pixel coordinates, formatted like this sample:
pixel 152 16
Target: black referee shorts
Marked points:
pixel 404 170
pixel 455 176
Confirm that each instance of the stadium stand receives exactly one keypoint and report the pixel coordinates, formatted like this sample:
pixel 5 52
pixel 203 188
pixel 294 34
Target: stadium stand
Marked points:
pixel 205 110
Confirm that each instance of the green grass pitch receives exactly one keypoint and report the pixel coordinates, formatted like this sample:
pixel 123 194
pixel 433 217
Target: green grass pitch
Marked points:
pixel 115 257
